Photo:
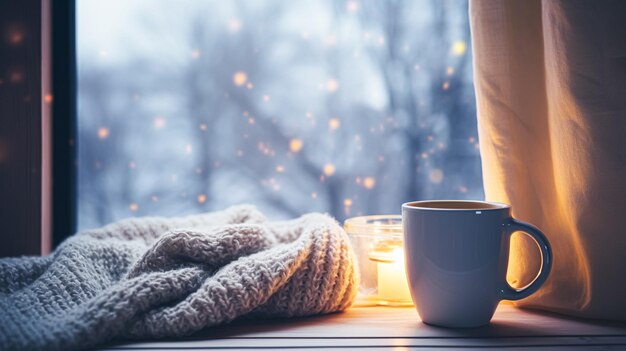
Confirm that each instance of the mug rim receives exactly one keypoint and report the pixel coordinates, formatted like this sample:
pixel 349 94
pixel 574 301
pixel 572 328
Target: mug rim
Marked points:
pixel 492 205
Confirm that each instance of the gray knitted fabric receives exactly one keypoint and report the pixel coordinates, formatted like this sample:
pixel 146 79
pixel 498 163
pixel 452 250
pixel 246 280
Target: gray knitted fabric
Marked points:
pixel 156 277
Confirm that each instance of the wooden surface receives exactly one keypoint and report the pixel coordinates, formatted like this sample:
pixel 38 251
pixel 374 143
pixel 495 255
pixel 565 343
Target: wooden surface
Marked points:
pixel 399 329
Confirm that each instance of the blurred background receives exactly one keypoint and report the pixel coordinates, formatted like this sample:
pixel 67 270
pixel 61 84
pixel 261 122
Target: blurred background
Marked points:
pixel 346 107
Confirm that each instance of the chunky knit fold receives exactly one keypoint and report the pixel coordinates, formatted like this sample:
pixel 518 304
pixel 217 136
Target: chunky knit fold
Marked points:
pixel 162 277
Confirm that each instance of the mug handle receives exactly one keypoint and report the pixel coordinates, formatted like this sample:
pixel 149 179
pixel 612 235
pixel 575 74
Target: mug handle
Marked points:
pixel 508 292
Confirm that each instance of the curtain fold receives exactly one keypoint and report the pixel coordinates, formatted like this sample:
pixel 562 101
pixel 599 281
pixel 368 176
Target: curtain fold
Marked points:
pixel 550 81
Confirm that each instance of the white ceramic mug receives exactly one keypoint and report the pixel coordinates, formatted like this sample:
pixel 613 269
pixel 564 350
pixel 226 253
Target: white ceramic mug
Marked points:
pixel 456 259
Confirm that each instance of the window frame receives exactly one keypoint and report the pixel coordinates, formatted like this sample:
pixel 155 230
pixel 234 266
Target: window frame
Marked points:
pixel 64 146
pixel 38 125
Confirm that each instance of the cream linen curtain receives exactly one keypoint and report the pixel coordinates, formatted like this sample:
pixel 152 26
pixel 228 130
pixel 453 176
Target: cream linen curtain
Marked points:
pixel 551 91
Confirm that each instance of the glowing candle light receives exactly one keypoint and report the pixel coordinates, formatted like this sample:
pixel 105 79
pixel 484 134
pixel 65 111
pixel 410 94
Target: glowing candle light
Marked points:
pixel 392 282
pixel 391 273
pixel 378 243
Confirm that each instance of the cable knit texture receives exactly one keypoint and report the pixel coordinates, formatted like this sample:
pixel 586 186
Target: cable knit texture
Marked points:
pixel 159 277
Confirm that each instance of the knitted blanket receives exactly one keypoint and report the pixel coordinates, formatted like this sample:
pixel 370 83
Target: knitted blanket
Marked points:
pixel 160 277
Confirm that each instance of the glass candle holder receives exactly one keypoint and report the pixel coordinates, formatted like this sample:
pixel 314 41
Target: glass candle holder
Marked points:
pixel 378 243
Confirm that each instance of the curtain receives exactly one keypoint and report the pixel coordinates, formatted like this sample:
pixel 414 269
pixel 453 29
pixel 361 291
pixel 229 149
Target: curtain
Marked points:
pixel 550 82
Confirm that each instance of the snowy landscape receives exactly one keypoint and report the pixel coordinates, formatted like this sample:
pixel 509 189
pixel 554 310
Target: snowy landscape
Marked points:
pixel 346 107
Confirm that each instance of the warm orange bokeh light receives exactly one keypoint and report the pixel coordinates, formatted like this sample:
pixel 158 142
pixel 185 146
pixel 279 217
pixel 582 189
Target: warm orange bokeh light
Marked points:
pixel 201 198
pixel 103 133
pixel 240 78
pixel 295 145
pixel 369 182
pixel 329 169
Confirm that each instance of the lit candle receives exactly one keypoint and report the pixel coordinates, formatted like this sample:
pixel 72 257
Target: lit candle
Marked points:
pixel 392 282
pixel 377 241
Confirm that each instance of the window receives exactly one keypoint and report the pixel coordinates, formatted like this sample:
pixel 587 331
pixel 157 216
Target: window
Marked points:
pixel 343 107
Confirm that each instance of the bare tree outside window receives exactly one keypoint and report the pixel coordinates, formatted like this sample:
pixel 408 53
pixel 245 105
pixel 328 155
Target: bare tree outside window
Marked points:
pixel 346 107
